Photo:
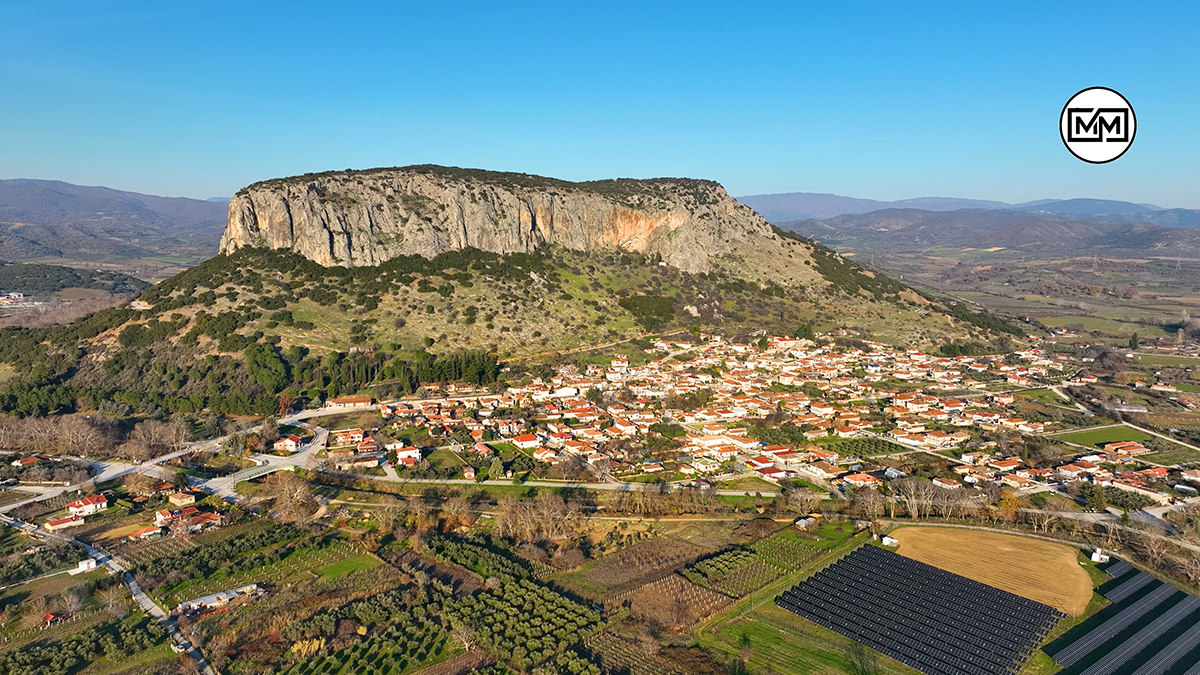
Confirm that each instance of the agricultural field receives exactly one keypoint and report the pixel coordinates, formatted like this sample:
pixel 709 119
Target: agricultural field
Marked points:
pixel 14 495
pixel 739 572
pixel 782 642
pixel 1098 437
pixel 1039 570
pixel 407 645
pixel 788 550
pixel 671 602
pixel 1178 454
pixel 347 566
pixel 617 654
pixel 631 567
pixel 749 484
pixel 1156 360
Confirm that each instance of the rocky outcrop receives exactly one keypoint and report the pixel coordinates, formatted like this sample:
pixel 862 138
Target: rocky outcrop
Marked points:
pixel 356 218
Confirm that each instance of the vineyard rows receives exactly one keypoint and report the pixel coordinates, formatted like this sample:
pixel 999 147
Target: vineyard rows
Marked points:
pixel 646 559
pixel 786 552
pixel 675 602
pixel 617 655
pixel 748 578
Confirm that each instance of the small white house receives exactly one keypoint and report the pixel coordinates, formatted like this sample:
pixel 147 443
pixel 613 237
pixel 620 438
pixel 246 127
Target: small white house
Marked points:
pixel 85 565
pixel 890 541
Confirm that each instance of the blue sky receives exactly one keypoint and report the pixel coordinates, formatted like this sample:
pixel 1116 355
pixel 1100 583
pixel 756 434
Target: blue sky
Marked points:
pixel 885 101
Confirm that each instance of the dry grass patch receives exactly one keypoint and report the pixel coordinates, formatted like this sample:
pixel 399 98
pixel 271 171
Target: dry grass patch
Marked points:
pixel 1039 570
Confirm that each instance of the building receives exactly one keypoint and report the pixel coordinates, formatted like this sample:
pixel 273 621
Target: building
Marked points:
pixel 347 436
pixel 88 505
pixel 349 402
pixel 526 441
pixel 288 444
pixel 182 498
pixel 63 523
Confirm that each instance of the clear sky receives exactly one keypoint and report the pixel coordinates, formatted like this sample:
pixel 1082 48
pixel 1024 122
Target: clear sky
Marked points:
pixel 885 101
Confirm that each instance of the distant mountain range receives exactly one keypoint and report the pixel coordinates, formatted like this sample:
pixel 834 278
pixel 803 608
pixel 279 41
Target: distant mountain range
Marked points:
pixel 794 206
pixel 1031 231
pixel 43 219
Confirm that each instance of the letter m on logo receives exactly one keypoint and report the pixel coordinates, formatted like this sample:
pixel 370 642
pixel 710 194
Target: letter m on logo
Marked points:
pixel 1094 125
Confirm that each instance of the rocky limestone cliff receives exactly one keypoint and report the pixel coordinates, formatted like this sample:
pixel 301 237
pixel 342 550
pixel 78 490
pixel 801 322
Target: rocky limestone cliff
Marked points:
pixel 356 218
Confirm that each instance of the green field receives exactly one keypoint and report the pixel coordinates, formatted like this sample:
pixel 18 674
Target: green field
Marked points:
pixel 1169 360
pixel 1191 388
pixel 1043 396
pixel 1179 455
pixel 348 566
pixel 1098 437
pixel 442 458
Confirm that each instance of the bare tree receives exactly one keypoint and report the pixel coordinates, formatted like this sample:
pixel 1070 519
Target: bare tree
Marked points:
pixel 869 502
pixel 456 512
pixel 915 494
pixel 1153 548
pixel 804 500
pixel 293 496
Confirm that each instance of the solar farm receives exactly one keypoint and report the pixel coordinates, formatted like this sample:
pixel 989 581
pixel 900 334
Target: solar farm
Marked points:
pixel 924 617
pixel 1151 628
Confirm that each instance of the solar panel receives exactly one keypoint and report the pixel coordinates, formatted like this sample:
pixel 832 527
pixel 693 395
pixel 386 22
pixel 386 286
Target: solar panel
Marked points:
pixel 932 620
pixel 1169 655
pixel 1194 670
pixel 1119 568
pixel 1105 631
pixel 1129 587
pixel 1137 642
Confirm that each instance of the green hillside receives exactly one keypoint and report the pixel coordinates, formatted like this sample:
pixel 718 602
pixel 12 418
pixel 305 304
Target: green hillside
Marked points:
pixel 239 331
pixel 36 279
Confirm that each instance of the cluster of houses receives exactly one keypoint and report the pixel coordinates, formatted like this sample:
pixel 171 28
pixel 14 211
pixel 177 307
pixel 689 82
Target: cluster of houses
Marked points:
pixel 78 510
pixel 180 515
pixel 830 393
pixel 351 449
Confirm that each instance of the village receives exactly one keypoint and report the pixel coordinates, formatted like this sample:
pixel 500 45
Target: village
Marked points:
pixel 838 418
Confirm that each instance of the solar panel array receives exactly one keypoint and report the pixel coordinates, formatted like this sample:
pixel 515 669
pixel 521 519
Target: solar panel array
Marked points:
pixel 924 617
pixel 1152 628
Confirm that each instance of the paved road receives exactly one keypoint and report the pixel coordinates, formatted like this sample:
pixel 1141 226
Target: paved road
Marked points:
pixel 139 596
pixel 225 485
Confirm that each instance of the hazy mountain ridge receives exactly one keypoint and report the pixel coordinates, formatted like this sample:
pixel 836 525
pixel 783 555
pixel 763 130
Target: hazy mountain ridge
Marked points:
pixel 795 206
pixel 53 219
pixel 1033 230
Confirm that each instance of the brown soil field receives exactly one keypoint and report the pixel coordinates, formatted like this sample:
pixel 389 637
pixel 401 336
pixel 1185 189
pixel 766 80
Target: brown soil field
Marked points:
pixel 1039 570
pixel 641 562
pixel 675 603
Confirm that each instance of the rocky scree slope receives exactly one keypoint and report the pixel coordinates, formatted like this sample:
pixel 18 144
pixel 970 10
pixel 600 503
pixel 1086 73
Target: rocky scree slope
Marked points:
pixel 364 218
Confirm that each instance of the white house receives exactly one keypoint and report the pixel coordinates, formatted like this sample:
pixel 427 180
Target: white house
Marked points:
pixel 88 505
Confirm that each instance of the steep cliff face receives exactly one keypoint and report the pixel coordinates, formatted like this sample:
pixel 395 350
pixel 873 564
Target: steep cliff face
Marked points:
pixel 356 218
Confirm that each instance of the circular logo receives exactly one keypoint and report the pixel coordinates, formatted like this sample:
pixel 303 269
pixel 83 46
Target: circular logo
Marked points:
pixel 1097 125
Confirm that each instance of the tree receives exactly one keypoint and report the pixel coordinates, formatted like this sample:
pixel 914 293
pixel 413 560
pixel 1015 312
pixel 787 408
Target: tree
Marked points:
pixel 869 502
pixel 1097 498
pixel 293 496
pixel 803 500
pixel 1008 505
pixel 496 470
pixel 1134 341
pixel 456 512
pixel 915 494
